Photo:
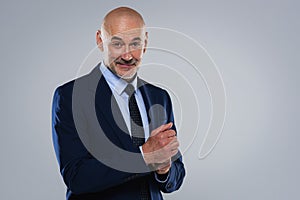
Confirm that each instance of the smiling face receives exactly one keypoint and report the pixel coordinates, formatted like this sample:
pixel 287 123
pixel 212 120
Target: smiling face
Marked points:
pixel 123 40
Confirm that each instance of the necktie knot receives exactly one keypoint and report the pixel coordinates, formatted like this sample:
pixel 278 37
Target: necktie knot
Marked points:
pixel 129 89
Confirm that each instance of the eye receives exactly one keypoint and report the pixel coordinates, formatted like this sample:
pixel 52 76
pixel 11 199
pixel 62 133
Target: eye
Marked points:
pixel 136 44
pixel 117 44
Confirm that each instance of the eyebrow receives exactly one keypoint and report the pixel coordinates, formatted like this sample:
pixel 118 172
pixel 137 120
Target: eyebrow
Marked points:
pixel 137 38
pixel 134 39
pixel 115 38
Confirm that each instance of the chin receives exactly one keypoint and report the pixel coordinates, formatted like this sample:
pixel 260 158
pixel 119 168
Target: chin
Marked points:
pixel 127 74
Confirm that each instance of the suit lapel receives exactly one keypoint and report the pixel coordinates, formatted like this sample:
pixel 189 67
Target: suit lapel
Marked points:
pixel 109 114
pixel 156 108
pixel 147 97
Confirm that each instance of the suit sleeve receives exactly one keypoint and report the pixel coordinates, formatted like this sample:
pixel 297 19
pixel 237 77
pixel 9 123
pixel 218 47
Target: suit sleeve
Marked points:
pixel 81 172
pixel 174 179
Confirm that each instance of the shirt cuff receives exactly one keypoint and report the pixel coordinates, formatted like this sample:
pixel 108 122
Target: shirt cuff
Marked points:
pixel 161 178
pixel 141 149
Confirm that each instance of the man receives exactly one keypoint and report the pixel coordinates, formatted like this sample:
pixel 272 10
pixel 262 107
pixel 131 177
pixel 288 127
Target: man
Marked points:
pixel 113 133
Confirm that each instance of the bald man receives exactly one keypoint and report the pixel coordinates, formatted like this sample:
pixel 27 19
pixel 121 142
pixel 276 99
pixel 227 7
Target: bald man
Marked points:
pixel 114 134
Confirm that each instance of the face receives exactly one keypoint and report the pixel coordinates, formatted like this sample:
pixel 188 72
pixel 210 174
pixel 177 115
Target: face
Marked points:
pixel 123 44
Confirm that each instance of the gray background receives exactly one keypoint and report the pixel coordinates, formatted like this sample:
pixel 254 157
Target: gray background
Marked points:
pixel 254 43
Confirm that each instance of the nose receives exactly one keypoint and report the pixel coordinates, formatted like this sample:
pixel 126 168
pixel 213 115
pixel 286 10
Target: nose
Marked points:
pixel 127 55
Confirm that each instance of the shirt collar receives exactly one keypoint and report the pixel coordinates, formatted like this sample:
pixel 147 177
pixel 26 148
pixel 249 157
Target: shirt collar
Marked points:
pixel 115 82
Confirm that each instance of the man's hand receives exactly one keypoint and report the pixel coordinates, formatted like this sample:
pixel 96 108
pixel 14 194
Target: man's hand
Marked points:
pixel 161 145
pixel 163 168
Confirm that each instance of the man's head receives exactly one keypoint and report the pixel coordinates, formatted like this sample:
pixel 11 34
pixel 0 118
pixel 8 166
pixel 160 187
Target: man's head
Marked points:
pixel 123 41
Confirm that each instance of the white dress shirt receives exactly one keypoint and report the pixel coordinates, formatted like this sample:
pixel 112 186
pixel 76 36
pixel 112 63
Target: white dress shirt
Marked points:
pixel 117 86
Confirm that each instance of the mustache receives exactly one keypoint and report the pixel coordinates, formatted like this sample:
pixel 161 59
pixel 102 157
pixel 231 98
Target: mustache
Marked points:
pixel 121 61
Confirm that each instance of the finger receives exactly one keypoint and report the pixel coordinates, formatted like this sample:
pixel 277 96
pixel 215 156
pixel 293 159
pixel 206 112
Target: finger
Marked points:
pixel 164 140
pixel 162 128
pixel 171 140
pixel 169 133
pixel 167 151
pixel 174 152
pixel 164 166
pixel 165 163
pixel 166 143
pixel 172 145
pixel 172 149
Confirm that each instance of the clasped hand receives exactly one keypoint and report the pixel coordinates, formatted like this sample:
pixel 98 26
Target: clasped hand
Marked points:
pixel 160 147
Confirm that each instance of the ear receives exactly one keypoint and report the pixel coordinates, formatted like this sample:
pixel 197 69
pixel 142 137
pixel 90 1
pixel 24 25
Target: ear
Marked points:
pixel 146 42
pixel 99 40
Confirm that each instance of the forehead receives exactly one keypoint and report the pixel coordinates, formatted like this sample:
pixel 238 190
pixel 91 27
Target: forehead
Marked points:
pixel 129 35
pixel 124 27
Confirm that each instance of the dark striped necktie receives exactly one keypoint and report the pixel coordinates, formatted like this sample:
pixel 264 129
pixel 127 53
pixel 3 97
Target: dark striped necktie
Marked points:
pixel 137 133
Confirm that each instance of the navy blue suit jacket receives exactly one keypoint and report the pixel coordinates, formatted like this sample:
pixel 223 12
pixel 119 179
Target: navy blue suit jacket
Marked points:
pixel 83 105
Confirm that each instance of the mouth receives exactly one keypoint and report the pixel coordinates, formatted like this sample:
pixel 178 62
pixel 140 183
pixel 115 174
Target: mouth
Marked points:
pixel 126 70
pixel 124 65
